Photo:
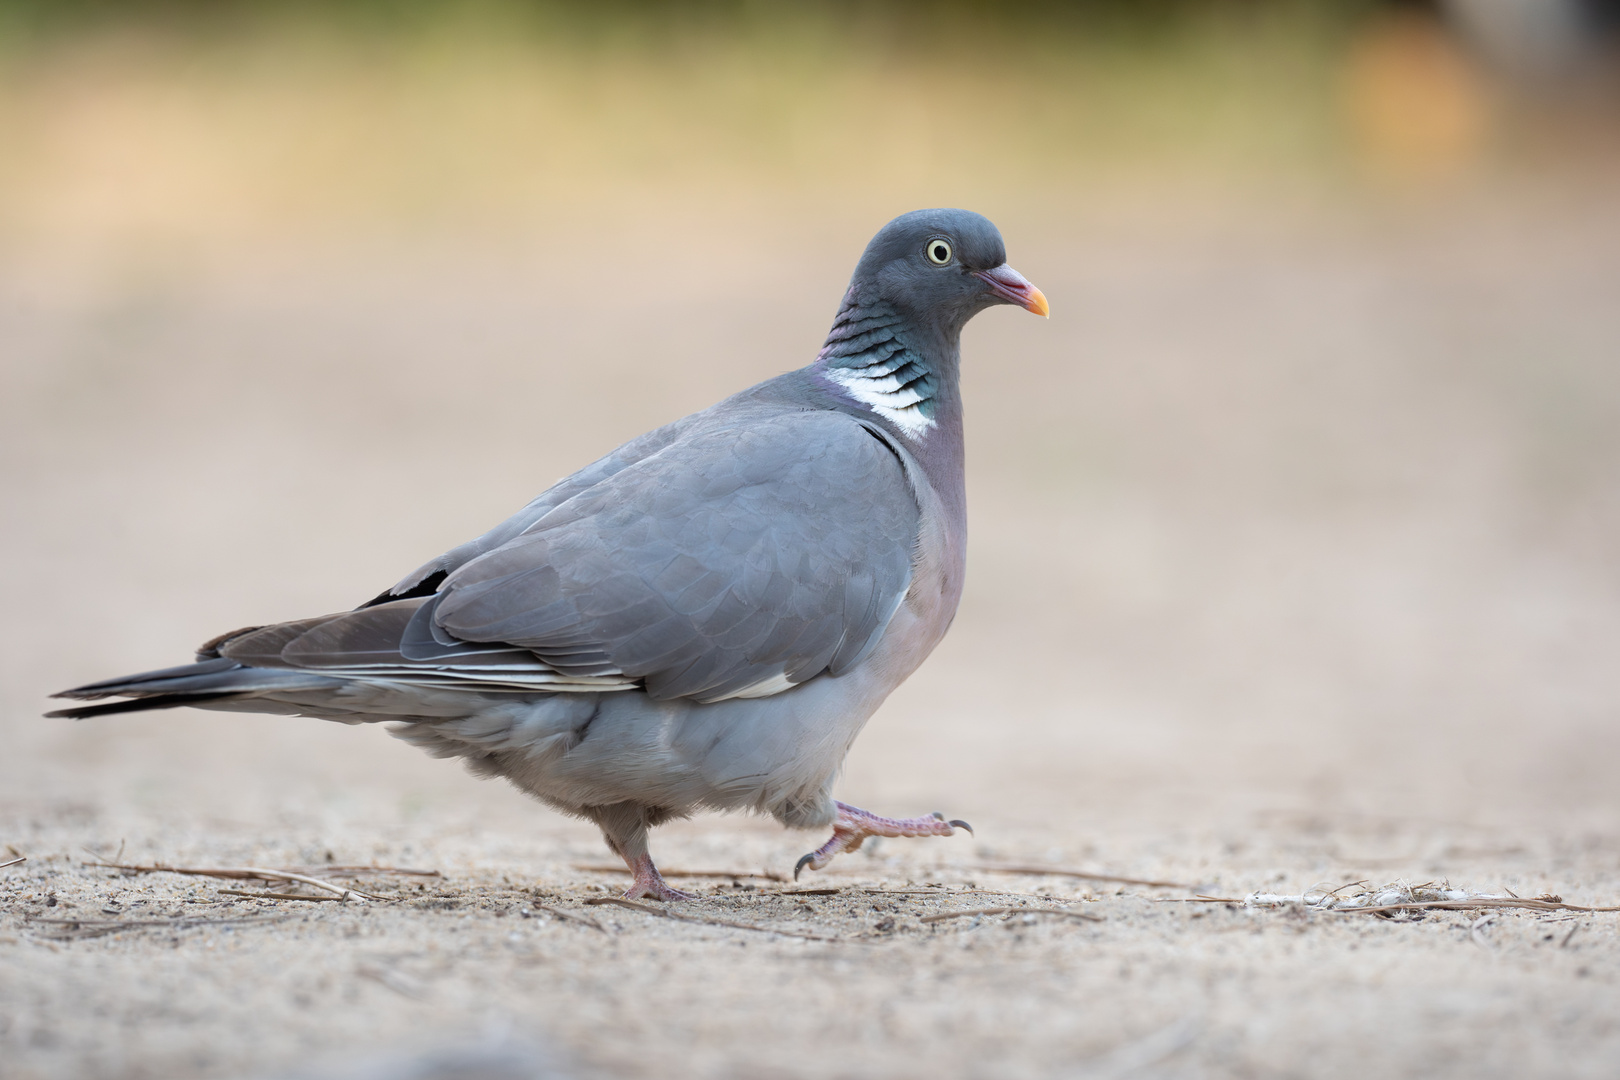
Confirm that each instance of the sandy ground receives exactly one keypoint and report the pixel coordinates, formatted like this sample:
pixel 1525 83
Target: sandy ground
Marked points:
pixel 1293 565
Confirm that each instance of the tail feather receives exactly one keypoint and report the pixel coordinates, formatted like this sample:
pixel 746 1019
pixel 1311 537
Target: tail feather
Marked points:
pixel 190 684
pixel 160 701
pixel 147 681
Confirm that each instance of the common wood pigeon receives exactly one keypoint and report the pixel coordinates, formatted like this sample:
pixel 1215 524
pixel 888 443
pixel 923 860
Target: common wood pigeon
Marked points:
pixel 703 619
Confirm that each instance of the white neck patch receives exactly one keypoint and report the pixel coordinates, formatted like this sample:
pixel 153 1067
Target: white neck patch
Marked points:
pixel 885 395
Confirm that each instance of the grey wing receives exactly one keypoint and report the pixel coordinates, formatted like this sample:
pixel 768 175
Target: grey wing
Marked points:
pixel 737 560
pixel 425 579
pixel 395 642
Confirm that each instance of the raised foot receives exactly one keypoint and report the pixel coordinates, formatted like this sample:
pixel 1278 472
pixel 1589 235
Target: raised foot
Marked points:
pixel 854 825
pixel 650 883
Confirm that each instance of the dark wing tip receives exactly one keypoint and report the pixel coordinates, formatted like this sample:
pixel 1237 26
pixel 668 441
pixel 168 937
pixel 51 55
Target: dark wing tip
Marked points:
pixel 107 708
pixel 426 587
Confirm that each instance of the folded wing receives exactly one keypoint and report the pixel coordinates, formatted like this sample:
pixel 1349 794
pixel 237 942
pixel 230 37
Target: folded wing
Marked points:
pixel 734 561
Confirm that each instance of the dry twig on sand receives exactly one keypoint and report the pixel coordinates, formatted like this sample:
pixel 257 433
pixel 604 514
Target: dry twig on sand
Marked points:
pixel 13 862
pixel 766 875
pixel 583 920
pixel 1389 899
pixel 662 913
pixel 357 871
pixel 858 890
pixel 282 896
pixel 961 892
pixel 1475 904
pixel 244 873
pixel 75 929
pixel 1082 875
pixel 942 916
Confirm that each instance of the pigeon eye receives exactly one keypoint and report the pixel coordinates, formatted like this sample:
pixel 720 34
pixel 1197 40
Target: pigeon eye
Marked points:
pixel 939 252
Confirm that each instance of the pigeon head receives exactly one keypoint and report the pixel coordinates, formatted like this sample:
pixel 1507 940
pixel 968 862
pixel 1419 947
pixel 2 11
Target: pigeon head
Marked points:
pixel 893 347
pixel 942 267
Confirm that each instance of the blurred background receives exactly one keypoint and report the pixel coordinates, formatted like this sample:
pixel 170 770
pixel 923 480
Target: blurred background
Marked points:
pixel 1306 499
pixel 1295 531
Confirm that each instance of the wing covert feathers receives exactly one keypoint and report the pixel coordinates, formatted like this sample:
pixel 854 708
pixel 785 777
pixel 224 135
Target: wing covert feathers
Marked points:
pixel 735 559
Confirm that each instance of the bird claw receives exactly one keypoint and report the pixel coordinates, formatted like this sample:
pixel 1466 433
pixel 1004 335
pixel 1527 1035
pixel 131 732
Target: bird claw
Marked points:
pixel 854 825
pixel 955 823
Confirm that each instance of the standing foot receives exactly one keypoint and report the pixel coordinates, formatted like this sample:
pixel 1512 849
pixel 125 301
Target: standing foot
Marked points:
pixel 649 882
pixel 854 825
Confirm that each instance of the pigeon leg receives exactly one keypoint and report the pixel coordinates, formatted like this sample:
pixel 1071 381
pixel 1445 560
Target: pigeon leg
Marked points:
pixel 624 827
pixel 854 825
pixel 649 882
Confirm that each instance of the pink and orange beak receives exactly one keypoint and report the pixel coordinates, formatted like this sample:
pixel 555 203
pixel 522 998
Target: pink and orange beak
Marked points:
pixel 1015 288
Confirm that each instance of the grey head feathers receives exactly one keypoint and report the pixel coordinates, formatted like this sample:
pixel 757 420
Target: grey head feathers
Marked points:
pixel 899 268
pixel 894 344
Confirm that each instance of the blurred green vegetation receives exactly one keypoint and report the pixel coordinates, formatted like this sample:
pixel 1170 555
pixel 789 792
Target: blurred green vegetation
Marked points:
pixel 151 116
pixel 990 28
pixel 931 19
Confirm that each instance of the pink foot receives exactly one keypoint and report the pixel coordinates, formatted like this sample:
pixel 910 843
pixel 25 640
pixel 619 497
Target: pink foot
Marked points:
pixel 854 825
pixel 649 882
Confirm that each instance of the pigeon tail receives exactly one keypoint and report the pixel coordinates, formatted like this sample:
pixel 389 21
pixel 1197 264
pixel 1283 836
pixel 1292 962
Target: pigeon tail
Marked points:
pixel 210 680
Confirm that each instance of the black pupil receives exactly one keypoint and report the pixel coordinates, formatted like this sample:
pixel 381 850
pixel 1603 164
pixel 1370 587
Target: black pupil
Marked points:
pixel 940 253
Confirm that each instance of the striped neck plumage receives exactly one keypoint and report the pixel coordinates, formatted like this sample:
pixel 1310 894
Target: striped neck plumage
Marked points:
pixel 868 357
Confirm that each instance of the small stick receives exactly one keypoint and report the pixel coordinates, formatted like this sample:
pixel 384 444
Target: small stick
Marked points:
pixel 583 920
pixel 1476 904
pixel 859 890
pixel 371 870
pixel 88 928
pixel 1082 875
pixel 245 872
pixel 648 909
pixel 619 901
pixel 282 896
pixel 13 862
pixel 184 920
pixel 767 875
pixel 942 916
pixel 1565 943
pixel 342 892
pixel 1483 903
